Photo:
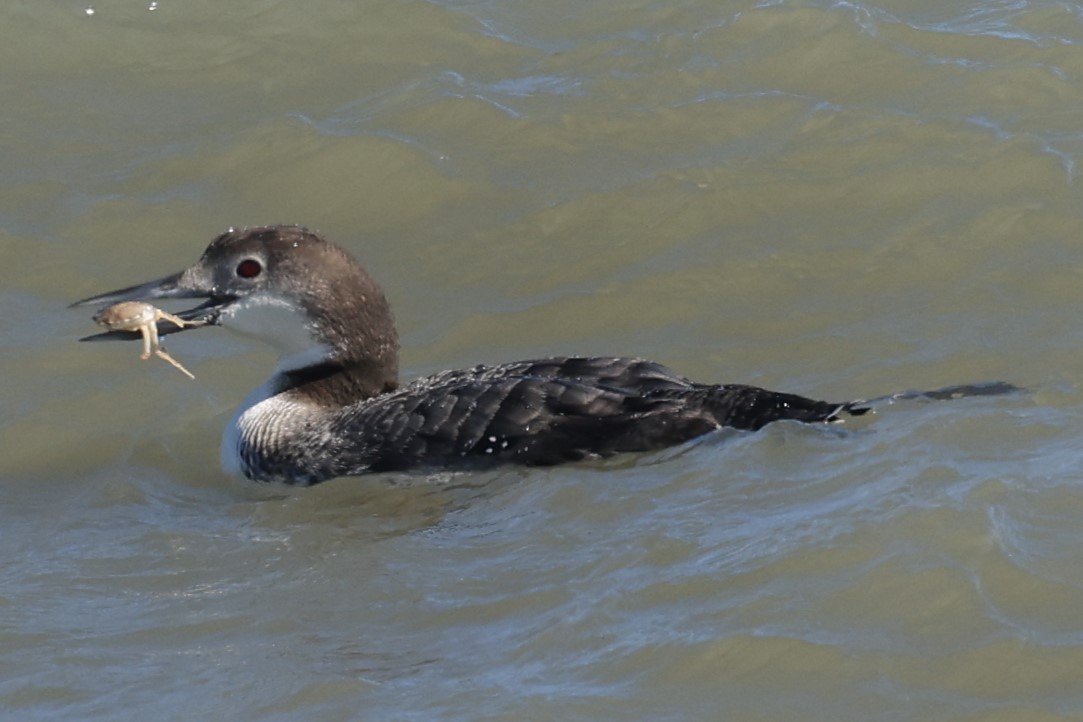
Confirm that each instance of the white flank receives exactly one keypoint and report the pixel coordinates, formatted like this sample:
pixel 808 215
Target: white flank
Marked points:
pixel 255 423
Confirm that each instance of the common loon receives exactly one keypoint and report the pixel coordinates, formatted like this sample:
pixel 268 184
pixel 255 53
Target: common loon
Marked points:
pixel 334 406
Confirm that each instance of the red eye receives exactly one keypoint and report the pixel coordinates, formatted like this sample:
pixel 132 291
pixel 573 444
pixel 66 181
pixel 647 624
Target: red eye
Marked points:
pixel 249 268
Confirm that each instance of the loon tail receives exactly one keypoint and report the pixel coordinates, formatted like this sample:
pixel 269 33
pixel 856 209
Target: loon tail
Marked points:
pixel 751 408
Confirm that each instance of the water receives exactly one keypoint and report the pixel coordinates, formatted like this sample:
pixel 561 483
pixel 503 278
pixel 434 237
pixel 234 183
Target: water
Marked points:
pixel 842 199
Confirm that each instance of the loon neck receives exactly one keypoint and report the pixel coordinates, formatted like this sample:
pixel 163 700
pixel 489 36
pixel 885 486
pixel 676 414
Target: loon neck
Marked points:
pixel 335 383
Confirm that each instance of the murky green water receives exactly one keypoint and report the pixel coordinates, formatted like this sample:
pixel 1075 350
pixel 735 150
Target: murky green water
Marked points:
pixel 838 199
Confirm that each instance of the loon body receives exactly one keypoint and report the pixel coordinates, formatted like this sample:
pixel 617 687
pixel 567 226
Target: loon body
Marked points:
pixel 334 406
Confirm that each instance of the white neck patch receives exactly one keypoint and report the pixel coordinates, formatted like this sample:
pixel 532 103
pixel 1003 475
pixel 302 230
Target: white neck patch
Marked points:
pixel 279 322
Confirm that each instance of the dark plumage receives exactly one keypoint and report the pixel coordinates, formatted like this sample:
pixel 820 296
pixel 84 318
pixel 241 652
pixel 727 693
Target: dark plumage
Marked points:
pixel 550 411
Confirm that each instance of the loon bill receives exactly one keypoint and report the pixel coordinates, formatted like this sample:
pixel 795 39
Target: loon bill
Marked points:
pixel 335 407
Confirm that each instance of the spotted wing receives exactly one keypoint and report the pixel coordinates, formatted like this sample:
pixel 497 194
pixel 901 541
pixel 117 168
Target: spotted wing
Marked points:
pixel 554 410
pixel 531 412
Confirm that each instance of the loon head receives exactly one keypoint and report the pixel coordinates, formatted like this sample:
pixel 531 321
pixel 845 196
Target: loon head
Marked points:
pixel 288 286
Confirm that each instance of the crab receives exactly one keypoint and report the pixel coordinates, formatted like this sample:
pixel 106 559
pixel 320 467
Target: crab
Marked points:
pixel 144 318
